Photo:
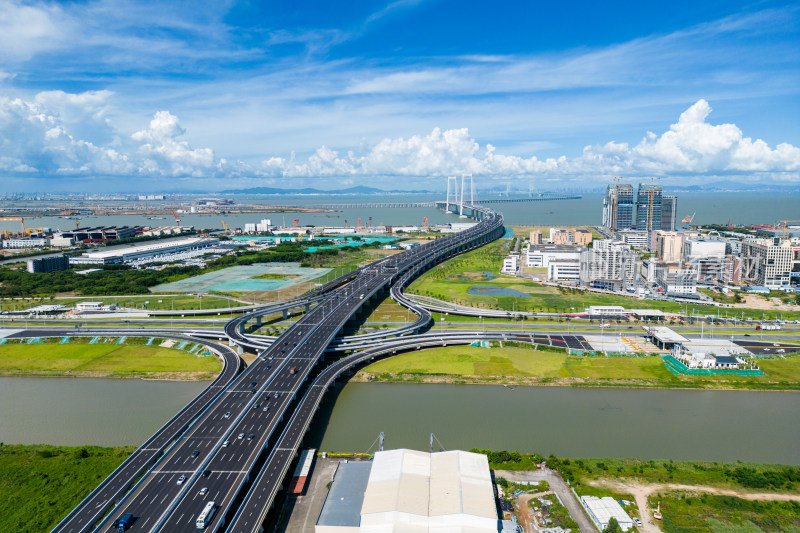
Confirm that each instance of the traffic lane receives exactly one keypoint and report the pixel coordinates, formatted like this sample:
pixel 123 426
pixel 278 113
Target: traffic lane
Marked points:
pixel 768 347
pixel 152 447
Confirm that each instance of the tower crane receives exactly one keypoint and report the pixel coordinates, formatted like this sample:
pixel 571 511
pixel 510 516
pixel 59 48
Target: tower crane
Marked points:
pixel 785 227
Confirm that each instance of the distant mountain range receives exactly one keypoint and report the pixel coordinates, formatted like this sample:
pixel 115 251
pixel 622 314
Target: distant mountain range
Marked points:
pixel 360 190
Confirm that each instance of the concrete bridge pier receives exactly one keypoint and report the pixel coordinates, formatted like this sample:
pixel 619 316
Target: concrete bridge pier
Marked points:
pixel 285 314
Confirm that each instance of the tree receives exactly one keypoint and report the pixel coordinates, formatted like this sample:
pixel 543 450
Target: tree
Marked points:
pixel 613 526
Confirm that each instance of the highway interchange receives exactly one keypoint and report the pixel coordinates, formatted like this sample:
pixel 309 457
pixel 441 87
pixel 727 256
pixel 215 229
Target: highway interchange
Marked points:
pixel 234 444
pixel 250 429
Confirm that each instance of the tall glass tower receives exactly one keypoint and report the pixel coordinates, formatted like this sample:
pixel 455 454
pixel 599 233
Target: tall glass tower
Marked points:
pixel 648 207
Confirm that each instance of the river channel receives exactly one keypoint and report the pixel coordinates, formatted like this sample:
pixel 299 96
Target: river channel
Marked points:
pixel 77 411
pixel 648 424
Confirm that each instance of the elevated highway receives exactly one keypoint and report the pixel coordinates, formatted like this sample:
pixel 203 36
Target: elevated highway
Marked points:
pixel 229 442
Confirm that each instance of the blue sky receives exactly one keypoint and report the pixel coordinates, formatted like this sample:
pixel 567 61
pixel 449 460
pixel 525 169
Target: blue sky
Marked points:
pixel 125 95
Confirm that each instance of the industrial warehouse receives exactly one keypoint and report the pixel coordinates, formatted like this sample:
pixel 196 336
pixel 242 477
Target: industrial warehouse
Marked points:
pixel 143 251
pixel 408 490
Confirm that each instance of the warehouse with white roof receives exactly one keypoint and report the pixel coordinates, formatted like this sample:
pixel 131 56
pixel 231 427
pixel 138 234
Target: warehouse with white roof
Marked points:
pixel 412 491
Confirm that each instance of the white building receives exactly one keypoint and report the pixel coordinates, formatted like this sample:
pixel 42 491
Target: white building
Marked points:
pixel 540 255
pixel 637 239
pixel 675 280
pixel 694 249
pixel 510 264
pixel 411 491
pixel 601 510
pixel 770 262
pixel 564 270
pixel 24 243
pixel 609 265
pixel 249 228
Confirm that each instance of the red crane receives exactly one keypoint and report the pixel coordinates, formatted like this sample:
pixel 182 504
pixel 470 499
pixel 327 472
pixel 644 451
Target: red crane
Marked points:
pixel 177 219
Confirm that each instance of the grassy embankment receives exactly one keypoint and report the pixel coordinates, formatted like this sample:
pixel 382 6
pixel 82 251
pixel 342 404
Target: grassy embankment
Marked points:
pixel 177 302
pixel 526 365
pixel 451 282
pixel 106 359
pixel 40 484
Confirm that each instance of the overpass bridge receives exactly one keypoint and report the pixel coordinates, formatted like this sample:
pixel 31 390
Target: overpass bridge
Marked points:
pixel 244 430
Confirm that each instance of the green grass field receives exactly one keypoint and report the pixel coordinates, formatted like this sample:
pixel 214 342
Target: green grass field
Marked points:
pixel 177 302
pixel 725 514
pixel 39 484
pixel 523 364
pixel 112 359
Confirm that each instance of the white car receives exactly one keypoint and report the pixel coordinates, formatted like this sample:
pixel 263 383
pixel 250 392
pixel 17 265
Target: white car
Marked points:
pixel 226 443
pixel 637 522
pixel 203 491
pixel 181 480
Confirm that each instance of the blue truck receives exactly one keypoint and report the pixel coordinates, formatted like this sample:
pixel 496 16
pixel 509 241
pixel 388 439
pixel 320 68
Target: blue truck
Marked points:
pixel 124 522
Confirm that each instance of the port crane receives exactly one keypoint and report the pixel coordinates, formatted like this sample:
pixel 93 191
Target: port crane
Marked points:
pixel 177 219
pixel 227 228
pixel 19 219
pixel 688 220
pixel 785 224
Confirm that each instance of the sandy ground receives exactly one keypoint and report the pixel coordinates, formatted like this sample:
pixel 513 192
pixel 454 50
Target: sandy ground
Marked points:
pixel 525 511
pixel 642 491
pixel 754 301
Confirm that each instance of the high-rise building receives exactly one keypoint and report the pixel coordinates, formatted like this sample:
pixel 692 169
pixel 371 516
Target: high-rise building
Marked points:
pixel 770 262
pixel 669 246
pixel 48 264
pixel 618 207
pixel 608 265
pixel 669 212
pixel 648 207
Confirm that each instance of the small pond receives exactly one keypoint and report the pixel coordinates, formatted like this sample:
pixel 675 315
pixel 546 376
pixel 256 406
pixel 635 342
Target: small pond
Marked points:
pixel 473 275
pixel 483 290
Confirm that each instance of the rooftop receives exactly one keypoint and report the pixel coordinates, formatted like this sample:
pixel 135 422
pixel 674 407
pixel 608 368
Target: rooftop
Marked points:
pixel 665 334
pixel 343 505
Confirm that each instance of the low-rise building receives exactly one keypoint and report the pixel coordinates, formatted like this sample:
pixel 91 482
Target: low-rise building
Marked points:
pixel 675 280
pixel 635 238
pixel 510 264
pixel 560 236
pixel 407 490
pixel 564 270
pixel 581 237
pixel 540 255
pixel 601 510
pixel 536 237
pixel 24 243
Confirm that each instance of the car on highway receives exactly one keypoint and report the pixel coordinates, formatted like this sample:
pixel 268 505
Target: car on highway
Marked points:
pixel 241 435
pixel 228 414
pixel 266 408
pixel 195 453
pixel 181 480
pixel 206 473
pixel 256 406
pixel 251 436
pixel 226 444
pixel 203 491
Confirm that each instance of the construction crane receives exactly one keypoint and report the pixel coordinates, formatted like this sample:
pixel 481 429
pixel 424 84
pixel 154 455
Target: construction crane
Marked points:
pixel 358 227
pixel 425 226
pixel 785 227
pixel 688 220
pixel 227 228
pixel 177 219
pixel 21 222
pixel 297 223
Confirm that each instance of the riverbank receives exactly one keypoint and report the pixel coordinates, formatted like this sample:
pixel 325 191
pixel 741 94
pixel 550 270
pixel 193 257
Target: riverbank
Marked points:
pixel 537 366
pixel 107 360
pixel 41 484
